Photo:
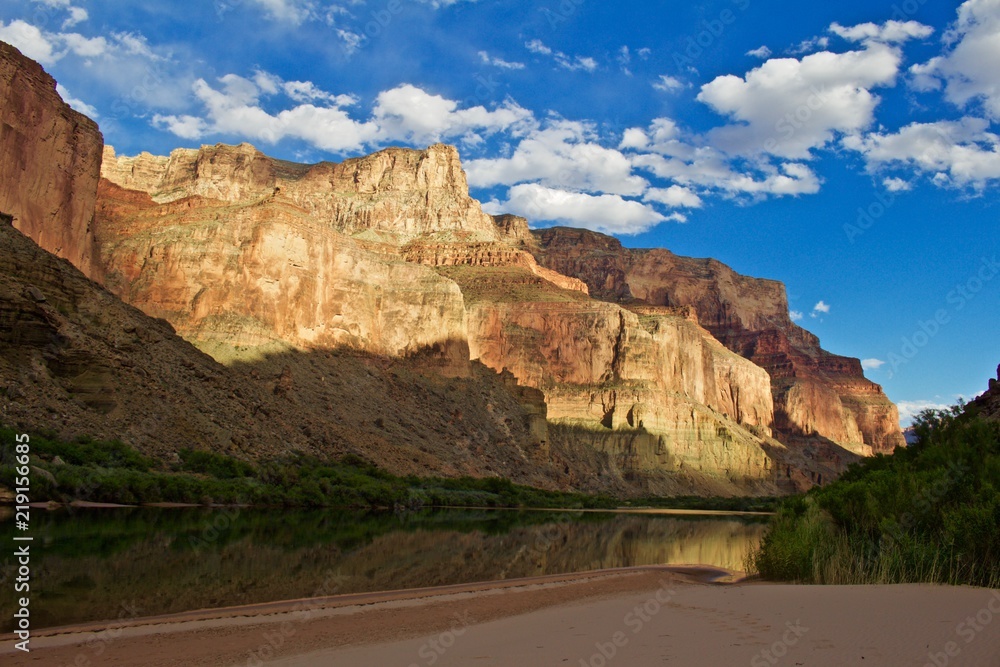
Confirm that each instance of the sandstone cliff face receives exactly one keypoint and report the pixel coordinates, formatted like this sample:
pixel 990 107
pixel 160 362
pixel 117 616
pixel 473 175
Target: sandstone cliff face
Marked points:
pixel 51 157
pixel 648 397
pixel 75 360
pixel 815 393
pixel 394 195
pixel 241 279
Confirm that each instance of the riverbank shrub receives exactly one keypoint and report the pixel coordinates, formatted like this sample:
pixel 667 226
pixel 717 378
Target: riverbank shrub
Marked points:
pixel 927 513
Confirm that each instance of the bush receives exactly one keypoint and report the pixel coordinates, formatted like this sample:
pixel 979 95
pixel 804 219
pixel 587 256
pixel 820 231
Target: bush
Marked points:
pixel 930 513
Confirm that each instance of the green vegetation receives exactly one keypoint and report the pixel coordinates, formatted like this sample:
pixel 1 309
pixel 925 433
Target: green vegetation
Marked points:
pixel 928 513
pixel 112 472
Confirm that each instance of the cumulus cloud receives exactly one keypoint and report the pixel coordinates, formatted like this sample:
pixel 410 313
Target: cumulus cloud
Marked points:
pixel 872 364
pixel 967 70
pixel 405 113
pixel 610 214
pixel 961 153
pixel 795 315
pixel 408 113
pixel 234 108
pixel 787 106
pixel 29 40
pixel 675 196
pixel 891 32
pixel 709 169
pixel 821 308
pixel 563 154
pixel 761 52
pixel 894 184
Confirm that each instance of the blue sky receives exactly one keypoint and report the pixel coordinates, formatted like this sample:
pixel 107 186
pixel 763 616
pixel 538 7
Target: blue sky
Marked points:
pixel 849 149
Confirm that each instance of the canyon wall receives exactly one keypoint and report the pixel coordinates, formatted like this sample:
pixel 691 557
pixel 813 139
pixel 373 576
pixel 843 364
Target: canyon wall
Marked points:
pixel 371 306
pixel 816 394
pixel 51 157
pixel 239 250
pixel 242 279
pixel 394 195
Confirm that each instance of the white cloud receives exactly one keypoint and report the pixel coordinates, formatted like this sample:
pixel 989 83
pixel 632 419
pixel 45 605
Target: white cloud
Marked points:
pixel 76 16
pixel 499 62
pixel 437 4
pixel 968 70
pixel 821 308
pixel 408 113
pixel 610 214
pixel 959 153
pixel 808 45
pixel 894 184
pixel 405 113
pixel 908 410
pixel 668 84
pixel 564 154
pixel 351 40
pixel 79 105
pixel 572 63
pixel 761 52
pixel 795 315
pixel 624 58
pixel 788 107
pixel 235 109
pixel 85 47
pixel 29 40
pixel 890 32
pixel 872 364
pixel 576 63
pixel 708 168
pixel 675 196
pixel 291 11
pixel 537 46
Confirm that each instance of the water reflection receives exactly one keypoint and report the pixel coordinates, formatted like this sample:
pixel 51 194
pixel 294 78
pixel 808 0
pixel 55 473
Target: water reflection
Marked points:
pixel 92 565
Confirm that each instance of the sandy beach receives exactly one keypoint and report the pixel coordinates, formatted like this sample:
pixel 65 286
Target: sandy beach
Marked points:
pixel 637 616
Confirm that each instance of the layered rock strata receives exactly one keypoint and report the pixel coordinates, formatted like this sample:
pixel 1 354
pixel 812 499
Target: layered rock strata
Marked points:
pixel 51 161
pixel 815 393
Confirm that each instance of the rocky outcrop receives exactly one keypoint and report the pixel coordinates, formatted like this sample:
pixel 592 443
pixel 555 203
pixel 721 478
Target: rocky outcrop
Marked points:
pixel 989 401
pixel 394 195
pixel 815 393
pixel 51 158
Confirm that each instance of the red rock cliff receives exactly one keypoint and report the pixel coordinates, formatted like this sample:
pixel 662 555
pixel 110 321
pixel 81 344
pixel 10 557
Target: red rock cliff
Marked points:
pixel 52 157
pixel 815 392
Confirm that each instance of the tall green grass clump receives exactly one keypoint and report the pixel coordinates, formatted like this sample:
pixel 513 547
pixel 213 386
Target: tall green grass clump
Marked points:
pixel 928 513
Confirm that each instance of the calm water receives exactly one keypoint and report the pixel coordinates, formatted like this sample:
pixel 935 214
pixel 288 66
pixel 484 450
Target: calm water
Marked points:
pixel 106 564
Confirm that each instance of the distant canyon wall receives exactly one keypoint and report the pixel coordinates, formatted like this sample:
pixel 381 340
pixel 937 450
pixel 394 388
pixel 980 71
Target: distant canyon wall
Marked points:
pixel 816 393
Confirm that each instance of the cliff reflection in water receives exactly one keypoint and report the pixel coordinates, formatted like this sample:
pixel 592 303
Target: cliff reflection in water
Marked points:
pixel 101 564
